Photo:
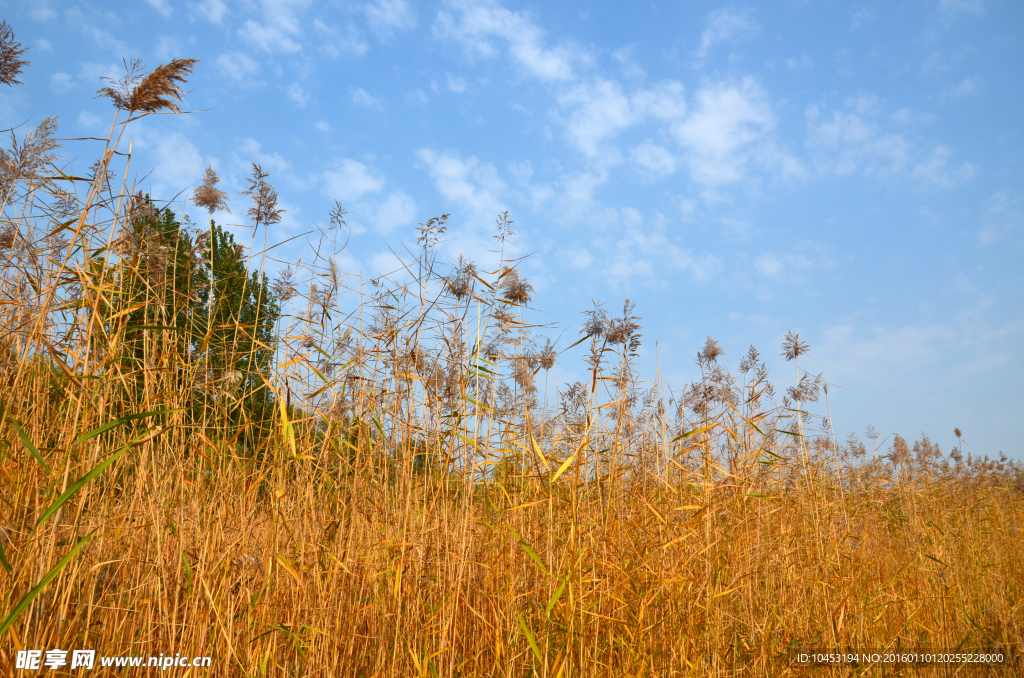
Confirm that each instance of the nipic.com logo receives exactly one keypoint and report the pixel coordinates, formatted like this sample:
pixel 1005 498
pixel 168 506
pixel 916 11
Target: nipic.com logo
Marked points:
pixel 35 660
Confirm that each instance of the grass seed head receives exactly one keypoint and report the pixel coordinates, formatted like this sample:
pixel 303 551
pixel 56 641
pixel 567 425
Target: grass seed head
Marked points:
pixel 10 51
pixel 158 90
pixel 208 196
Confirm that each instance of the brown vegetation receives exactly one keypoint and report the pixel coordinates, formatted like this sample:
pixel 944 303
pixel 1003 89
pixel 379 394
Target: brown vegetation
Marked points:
pixel 421 505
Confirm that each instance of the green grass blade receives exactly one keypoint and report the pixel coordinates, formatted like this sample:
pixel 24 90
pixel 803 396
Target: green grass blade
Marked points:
pixel 529 638
pixel 31 595
pixel 3 557
pixel 123 420
pixel 87 478
pixel 533 554
pixel 29 446
pixel 554 599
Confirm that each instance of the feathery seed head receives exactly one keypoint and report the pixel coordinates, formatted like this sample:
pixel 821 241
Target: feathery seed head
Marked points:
pixel 264 210
pixel 547 356
pixel 432 232
pixel 794 347
pixel 515 288
pixel 596 324
pixel 337 216
pixel 461 284
pixel 711 350
pixel 208 196
pixel 10 50
pixel 26 160
pixel 159 90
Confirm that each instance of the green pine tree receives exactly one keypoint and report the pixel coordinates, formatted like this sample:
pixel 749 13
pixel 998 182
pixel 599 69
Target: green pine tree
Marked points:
pixel 238 333
pixel 187 304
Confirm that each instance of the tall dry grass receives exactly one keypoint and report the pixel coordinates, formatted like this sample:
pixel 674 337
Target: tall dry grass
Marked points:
pixel 422 504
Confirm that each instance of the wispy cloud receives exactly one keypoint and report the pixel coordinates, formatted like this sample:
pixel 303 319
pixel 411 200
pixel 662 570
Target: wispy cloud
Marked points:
pixel 729 118
pixel 455 84
pixel 163 7
pixel 595 111
pixel 280 29
pixel 726 25
pixel 473 185
pixel 966 88
pixel 480 26
pixel 791 266
pixel 297 95
pixel 387 16
pixel 935 170
pixel 335 42
pixel 239 68
pixel 349 181
pixel 851 140
pixel 397 210
pixel 648 251
pixel 363 99
pixel 213 11
pixel 654 160
pixel 61 82
pixel 1003 216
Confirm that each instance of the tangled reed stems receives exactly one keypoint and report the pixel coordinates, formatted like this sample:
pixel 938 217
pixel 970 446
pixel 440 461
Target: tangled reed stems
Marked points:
pixel 380 486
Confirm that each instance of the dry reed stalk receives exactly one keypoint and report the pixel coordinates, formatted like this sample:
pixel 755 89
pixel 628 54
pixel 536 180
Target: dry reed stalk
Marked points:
pixel 413 510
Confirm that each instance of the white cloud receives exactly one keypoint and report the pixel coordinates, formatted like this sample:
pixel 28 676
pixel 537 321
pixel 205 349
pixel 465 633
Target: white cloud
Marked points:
pixel 600 109
pixel 417 97
pixel 363 99
pixel 280 27
pixel 297 95
pixel 576 201
pixel 576 257
pixel 654 159
pixel 335 42
pixel 725 25
pixel 968 87
pixel 472 185
pixel 90 72
pixel 213 11
pixel 239 68
pixel 61 82
pixel 479 24
pixel 936 170
pixel 88 120
pixel 647 251
pixel 851 141
pixel 105 40
pixel 1004 214
pixel 387 16
pixel 455 84
pixel 851 354
pixel 790 266
pixel 177 164
pixel 954 7
pixel 167 48
pixel 323 126
pixel 252 150
pixel 397 210
pixel 350 181
pixel 44 45
pixel 629 67
pixel 727 119
pixel 862 16
pixel 161 6
pixel 41 10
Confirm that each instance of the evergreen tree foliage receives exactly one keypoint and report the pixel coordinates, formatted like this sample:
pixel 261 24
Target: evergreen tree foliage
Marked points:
pixel 186 303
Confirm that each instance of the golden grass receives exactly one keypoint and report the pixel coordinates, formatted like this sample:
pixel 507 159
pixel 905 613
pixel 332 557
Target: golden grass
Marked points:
pixel 419 510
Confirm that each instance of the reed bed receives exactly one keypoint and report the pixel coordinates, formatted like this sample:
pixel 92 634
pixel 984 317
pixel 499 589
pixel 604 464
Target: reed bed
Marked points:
pixel 325 475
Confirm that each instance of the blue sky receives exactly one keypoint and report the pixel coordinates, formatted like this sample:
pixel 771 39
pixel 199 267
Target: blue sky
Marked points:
pixel 850 171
